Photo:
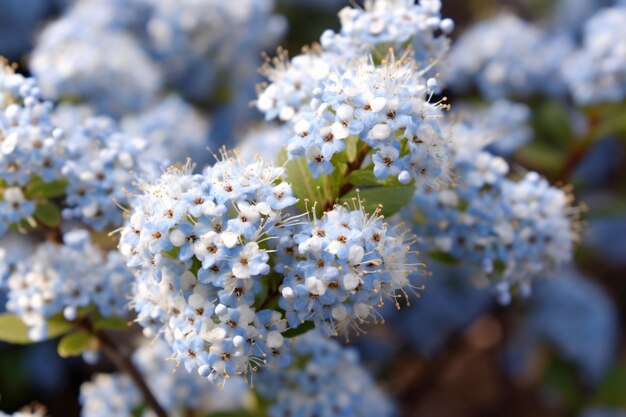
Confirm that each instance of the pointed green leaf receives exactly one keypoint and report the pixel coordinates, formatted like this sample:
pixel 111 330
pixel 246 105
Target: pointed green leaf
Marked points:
pixel 48 213
pixel 111 323
pixel 443 258
pixel 13 330
pixel 38 188
pixel 57 326
pixel 392 198
pixel 301 329
pixel 74 344
pixel 308 189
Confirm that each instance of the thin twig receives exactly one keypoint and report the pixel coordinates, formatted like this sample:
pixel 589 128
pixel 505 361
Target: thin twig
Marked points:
pixel 352 166
pixel 124 364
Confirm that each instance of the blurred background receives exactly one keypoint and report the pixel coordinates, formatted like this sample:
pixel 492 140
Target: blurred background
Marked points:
pixel 455 351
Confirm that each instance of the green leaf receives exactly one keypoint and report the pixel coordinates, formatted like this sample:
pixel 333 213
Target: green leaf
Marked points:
pixel 57 326
pixel 111 323
pixel 392 198
pixel 561 381
pixel 38 188
pixel 443 258
pixel 551 124
pixel 307 189
pixel 13 330
pixel 362 177
pixel 610 393
pixel 352 148
pixel 365 177
pixel 301 329
pixel 48 213
pixel 541 157
pixel 74 344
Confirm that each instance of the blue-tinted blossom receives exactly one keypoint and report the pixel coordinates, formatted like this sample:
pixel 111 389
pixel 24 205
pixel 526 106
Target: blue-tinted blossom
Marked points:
pixel 596 73
pixel 292 83
pixel 511 231
pixel 63 278
pixel 198 241
pixel 105 69
pixel 388 108
pixel 172 129
pixel 102 166
pixel 114 395
pixel 30 146
pixel 326 380
pixel 339 268
pixel 505 57
pixel 384 24
pixel 265 142
pixel 502 127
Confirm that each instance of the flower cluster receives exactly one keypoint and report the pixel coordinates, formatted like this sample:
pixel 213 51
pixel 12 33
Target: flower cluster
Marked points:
pixel 182 44
pixel 72 62
pixel 171 122
pixel 385 24
pixel 387 107
pixel 292 83
pixel 506 56
pixel 101 168
pixel 201 242
pixel 30 149
pixel 339 268
pixel 597 72
pixel 503 126
pixel 114 395
pixel 329 383
pixel 63 278
pixel 512 231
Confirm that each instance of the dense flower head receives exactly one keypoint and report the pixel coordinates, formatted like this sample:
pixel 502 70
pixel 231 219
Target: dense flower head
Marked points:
pixel 503 126
pixel 187 45
pixel 75 61
pixel 339 268
pixel 60 279
pixel 200 242
pixel 171 128
pixel 505 57
pixel 114 395
pixel 101 167
pixel 388 108
pixel 329 382
pixel 293 83
pixel 30 147
pixel 198 41
pixel 265 142
pixel 512 231
pixel 385 24
pixel 596 73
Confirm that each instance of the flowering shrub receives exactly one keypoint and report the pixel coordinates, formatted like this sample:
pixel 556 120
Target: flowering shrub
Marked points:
pixel 246 269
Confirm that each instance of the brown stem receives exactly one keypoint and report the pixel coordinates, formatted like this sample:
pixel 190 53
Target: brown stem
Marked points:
pixel 124 364
pixel 578 152
pixel 352 166
pixel 52 234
